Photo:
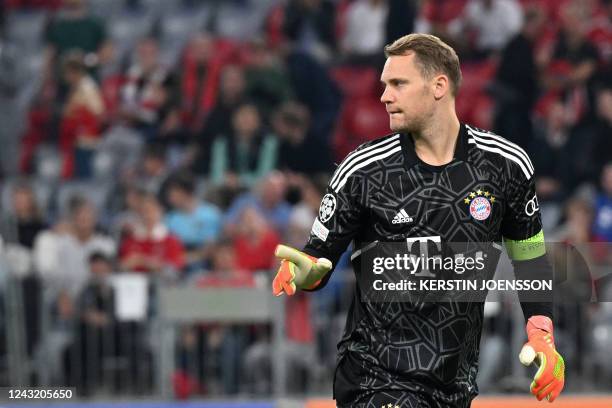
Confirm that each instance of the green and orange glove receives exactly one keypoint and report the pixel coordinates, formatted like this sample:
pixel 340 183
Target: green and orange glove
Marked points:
pixel 298 271
pixel 550 377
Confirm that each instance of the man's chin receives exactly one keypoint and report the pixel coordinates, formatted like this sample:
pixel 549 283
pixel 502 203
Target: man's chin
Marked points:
pixel 399 128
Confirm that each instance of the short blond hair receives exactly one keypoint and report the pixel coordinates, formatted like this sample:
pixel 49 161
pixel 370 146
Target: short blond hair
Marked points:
pixel 433 56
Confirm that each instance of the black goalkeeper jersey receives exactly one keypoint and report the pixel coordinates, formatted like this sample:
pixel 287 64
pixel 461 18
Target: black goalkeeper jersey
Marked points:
pixel 383 192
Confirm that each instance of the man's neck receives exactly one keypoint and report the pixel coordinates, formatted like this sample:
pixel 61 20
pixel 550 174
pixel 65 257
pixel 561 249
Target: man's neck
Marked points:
pixel 435 145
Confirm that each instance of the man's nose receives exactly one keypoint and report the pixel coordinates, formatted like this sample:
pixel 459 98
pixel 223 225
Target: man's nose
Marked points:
pixel 386 96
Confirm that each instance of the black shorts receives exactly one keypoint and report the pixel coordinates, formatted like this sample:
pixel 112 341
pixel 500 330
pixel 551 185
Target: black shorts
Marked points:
pixel 399 399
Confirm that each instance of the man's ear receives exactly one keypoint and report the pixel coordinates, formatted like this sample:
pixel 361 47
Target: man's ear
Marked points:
pixel 441 86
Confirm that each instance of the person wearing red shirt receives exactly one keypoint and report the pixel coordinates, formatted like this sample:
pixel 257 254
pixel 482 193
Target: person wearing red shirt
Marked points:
pixel 81 119
pixel 151 247
pixel 254 242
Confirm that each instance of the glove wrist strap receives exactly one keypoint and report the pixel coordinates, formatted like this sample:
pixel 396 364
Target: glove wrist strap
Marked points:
pixel 539 323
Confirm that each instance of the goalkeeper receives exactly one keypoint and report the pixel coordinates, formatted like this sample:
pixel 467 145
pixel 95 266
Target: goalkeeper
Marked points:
pixel 434 180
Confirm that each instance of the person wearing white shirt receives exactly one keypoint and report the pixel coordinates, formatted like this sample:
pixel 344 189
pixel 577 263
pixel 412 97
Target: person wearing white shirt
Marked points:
pixel 61 254
pixel 495 22
pixel 365 28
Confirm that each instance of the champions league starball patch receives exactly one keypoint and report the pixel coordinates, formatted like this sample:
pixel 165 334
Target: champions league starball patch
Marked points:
pixel 480 204
pixel 327 208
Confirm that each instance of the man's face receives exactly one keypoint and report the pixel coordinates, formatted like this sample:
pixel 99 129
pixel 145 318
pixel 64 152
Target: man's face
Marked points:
pixel 177 197
pixel 408 96
pixel 232 82
pixel 85 220
pixel 100 269
pixel 202 48
pixel 151 212
pixel 147 54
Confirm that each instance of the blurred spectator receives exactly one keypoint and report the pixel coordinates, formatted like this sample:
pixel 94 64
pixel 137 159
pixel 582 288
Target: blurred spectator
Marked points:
pixel 199 76
pixel 2 17
pixel 62 253
pixel 600 32
pixel 310 25
pixel 516 83
pixel 269 200
pixel 489 24
pixel 603 207
pixel 600 130
pixel 146 95
pixel 96 336
pixel 578 222
pixel 74 29
pixel 189 362
pixel 561 156
pixel 303 213
pixel 435 16
pixel 254 242
pixel 20 226
pixel 126 218
pixel 154 170
pixel 401 19
pixel 245 155
pixel 224 269
pixel 151 247
pixel 291 123
pixel 364 38
pixel 100 337
pixel 81 118
pixel 570 62
pixel 315 88
pixel 590 144
pixel 196 223
pixel 10 83
pixel 25 220
pixel 232 92
pixel 267 82
pixel 61 321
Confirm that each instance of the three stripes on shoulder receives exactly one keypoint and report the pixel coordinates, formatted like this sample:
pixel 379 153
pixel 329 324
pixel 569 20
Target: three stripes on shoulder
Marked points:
pixel 497 144
pixel 379 149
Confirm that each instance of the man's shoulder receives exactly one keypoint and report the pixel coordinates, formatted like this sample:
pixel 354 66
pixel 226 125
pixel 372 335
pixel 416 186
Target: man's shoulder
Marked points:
pixel 364 156
pixel 374 149
pixel 377 141
pixel 206 209
pixel 500 149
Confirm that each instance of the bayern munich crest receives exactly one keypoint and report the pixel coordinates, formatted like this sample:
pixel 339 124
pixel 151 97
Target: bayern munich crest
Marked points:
pixel 480 204
pixel 327 208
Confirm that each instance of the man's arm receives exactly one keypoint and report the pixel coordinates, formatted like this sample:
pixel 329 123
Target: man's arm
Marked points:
pixel 524 241
pixel 337 223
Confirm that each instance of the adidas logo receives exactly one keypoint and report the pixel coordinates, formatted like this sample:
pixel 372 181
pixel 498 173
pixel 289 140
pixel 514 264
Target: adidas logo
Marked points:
pixel 402 217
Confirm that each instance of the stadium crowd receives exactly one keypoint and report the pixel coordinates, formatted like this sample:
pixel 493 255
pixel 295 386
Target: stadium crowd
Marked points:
pixel 184 139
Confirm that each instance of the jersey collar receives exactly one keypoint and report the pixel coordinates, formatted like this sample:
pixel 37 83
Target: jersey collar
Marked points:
pixel 411 159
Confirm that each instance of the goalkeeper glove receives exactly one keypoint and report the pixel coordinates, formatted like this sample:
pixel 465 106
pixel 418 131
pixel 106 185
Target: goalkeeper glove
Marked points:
pixel 550 378
pixel 298 271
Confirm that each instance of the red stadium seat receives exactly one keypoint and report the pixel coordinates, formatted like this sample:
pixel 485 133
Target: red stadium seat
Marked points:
pixel 552 8
pixel 356 82
pixel 473 104
pixel 362 119
pixel 443 11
